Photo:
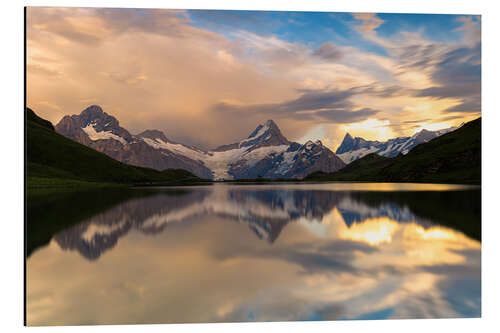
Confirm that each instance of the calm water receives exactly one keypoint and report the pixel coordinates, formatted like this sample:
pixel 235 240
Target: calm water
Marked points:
pixel 228 253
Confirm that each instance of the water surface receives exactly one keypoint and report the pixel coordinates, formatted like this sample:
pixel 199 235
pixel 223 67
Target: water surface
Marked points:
pixel 227 253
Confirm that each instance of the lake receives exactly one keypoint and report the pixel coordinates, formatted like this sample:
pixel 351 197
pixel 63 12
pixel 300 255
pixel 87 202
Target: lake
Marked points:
pixel 232 253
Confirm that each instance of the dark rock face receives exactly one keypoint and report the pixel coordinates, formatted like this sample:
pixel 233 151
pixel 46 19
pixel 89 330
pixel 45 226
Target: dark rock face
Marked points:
pixel 312 157
pixel 266 152
pixel 349 144
pixel 271 136
pixel 154 134
pixel 262 136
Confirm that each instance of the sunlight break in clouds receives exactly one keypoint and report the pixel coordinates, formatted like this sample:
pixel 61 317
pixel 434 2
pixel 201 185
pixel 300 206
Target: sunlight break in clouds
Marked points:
pixel 182 71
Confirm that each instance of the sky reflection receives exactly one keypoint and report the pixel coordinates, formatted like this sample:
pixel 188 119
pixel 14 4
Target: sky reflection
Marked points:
pixel 240 253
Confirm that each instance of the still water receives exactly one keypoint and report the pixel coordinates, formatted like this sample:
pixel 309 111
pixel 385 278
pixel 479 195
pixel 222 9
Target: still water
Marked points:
pixel 230 253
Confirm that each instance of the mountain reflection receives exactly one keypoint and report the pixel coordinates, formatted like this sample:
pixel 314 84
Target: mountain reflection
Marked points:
pixel 266 212
pixel 148 215
pixel 230 253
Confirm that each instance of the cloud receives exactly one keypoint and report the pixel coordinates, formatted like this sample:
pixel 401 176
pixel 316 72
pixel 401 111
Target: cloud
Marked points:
pixel 155 68
pixel 449 91
pixel 42 70
pixel 460 65
pixel 378 90
pixel 225 21
pixel 315 100
pixel 328 51
pixel 369 21
pixel 472 29
pixel 327 104
pixel 346 117
pixel 126 78
pixel 94 25
pixel 466 105
pixel 458 74
pixel 271 54
pixel 440 71
pixel 48 104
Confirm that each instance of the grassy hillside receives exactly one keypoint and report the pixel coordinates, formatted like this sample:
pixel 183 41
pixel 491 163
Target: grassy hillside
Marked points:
pixel 53 160
pixel 31 116
pixel 451 158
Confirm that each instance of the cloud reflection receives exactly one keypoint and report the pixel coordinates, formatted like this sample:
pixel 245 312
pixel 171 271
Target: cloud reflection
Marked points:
pixel 328 255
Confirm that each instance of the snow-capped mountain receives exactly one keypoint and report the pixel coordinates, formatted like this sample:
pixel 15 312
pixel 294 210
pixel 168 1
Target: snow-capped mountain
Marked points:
pixel 264 153
pixel 267 153
pixel 352 149
pixel 100 131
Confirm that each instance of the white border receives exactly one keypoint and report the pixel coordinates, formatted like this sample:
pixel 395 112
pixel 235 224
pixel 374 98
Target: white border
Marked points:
pixel 11 120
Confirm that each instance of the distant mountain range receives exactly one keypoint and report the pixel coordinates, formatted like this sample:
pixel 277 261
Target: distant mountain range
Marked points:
pixel 264 153
pixel 454 157
pixel 352 149
pixel 449 155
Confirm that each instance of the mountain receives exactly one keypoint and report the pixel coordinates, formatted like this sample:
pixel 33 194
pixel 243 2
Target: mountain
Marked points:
pixel 100 131
pixel 352 149
pixel 264 153
pixel 454 157
pixel 263 136
pixel 54 159
pixel 267 153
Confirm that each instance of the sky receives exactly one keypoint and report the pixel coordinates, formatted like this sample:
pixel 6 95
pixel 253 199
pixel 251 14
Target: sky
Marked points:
pixel 163 267
pixel 208 78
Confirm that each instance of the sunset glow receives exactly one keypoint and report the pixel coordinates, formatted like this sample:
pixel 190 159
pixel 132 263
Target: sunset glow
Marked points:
pixel 318 75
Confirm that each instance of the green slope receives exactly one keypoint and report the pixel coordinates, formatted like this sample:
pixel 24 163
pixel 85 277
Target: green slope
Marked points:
pixel 53 160
pixel 31 116
pixel 451 158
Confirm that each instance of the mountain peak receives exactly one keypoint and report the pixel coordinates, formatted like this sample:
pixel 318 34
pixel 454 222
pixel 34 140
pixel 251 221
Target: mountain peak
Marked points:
pixel 153 134
pixel 92 110
pixel 271 123
pixel 93 124
pixel 310 144
pixel 346 145
pixel 100 120
pixel 261 129
pixel 268 134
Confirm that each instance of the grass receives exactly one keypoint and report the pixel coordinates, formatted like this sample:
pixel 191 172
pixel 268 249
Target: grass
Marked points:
pixel 33 183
